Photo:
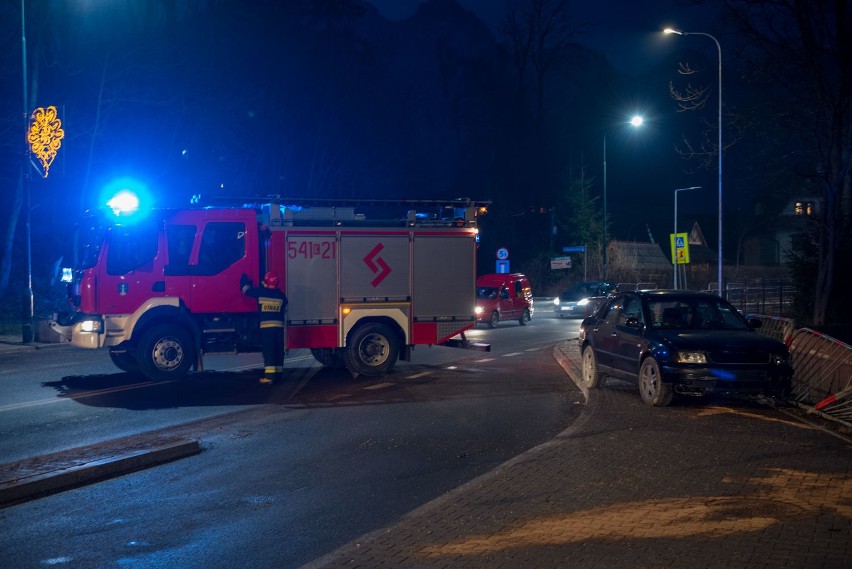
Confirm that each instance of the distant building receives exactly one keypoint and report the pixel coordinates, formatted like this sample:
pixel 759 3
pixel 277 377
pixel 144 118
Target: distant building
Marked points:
pixel 769 241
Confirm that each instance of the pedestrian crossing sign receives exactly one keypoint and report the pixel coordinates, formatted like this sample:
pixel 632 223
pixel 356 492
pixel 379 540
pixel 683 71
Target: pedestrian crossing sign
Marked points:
pixel 680 248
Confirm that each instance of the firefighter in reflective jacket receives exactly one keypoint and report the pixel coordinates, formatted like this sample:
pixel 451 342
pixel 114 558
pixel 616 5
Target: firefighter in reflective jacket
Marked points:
pixel 271 305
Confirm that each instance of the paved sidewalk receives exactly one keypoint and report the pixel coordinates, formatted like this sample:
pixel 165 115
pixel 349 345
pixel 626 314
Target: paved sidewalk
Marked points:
pixel 11 343
pixel 723 485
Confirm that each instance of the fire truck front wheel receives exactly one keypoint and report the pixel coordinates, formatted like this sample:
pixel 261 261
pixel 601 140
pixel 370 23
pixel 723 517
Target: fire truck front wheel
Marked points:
pixel 373 349
pixel 165 352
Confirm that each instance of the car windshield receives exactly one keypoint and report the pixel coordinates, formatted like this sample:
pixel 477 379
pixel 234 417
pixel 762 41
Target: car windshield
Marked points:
pixel 694 314
pixel 486 292
pixel 579 291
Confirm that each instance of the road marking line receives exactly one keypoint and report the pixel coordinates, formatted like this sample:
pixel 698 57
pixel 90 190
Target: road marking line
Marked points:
pixel 512 354
pixel 83 395
pixel 484 360
pixel 379 386
pixel 421 374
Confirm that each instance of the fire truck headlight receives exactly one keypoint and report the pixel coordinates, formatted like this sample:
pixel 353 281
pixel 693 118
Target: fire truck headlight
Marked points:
pixel 478 310
pixel 90 326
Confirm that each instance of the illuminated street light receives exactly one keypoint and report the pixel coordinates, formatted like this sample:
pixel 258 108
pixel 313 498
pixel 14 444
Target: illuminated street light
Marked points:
pixel 674 249
pixel 719 52
pixel 636 121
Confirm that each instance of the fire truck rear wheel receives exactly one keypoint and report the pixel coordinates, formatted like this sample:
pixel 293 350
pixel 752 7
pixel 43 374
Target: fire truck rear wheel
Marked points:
pixel 165 352
pixel 372 349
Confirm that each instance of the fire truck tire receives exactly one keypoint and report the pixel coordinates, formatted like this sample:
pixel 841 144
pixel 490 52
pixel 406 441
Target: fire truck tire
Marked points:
pixel 165 352
pixel 329 357
pixel 372 349
pixel 124 361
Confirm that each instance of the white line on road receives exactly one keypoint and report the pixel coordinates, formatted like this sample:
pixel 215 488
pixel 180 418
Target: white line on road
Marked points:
pixel 379 386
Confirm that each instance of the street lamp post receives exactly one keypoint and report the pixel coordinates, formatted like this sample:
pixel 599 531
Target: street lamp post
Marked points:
pixel 29 305
pixel 719 53
pixel 635 121
pixel 674 252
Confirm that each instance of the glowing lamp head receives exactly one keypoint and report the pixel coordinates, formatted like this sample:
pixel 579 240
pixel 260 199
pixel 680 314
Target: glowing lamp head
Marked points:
pixel 127 200
pixel 124 202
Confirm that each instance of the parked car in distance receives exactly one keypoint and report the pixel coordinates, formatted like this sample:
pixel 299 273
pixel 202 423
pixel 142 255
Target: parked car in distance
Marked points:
pixel 679 342
pixel 503 297
pixel 582 299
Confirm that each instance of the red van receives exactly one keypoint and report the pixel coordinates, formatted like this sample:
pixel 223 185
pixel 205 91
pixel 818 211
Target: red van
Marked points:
pixel 503 297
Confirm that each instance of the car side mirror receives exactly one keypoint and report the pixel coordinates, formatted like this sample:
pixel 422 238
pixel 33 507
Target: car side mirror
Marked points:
pixel 632 323
pixel 755 323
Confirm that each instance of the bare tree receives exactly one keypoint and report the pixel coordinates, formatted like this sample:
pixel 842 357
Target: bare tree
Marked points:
pixel 540 33
pixel 803 50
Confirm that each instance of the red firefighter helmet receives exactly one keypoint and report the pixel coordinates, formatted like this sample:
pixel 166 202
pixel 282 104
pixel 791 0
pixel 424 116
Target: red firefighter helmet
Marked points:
pixel 270 280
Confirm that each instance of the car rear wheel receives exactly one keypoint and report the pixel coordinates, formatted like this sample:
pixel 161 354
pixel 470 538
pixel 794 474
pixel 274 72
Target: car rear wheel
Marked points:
pixel 525 317
pixel 591 377
pixel 495 319
pixel 651 387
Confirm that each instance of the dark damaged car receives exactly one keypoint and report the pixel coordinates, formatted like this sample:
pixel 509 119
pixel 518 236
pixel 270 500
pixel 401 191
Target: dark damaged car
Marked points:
pixel 681 342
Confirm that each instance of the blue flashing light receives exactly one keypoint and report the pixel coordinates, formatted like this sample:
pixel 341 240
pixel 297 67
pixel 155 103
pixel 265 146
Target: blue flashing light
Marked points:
pixel 127 199
pixel 124 203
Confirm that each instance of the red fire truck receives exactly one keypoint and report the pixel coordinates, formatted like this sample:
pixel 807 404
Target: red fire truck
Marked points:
pixel 163 292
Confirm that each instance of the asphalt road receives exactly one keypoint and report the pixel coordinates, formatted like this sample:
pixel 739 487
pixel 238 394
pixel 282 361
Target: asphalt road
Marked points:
pixel 286 474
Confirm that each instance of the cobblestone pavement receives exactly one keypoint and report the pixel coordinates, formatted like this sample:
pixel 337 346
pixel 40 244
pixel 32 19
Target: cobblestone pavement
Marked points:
pixel 728 484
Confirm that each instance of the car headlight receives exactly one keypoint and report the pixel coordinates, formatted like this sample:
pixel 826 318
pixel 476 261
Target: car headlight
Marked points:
pixel 478 310
pixel 556 301
pixel 685 357
pixel 90 326
pixel 583 302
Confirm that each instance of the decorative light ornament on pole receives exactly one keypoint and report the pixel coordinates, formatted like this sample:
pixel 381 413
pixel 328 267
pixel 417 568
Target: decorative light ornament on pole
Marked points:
pixel 674 239
pixel 45 136
pixel 719 150
pixel 636 121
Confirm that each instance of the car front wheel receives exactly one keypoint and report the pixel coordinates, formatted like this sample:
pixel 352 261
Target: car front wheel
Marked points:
pixel 651 387
pixel 495 319
pixel 591 377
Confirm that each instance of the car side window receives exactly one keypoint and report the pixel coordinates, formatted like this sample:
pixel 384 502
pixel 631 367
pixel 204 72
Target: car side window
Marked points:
pixel 613 311
pixel 632 309
pixel 504 293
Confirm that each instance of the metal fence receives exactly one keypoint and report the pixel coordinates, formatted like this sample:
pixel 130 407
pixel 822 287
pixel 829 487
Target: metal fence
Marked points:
pixel 771 296
pixel 822 380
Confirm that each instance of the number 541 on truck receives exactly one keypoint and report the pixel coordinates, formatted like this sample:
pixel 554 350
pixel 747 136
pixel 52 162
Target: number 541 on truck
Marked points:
pixel 162 292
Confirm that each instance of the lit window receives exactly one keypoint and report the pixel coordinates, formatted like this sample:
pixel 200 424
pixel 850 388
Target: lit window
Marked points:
pixel 804 208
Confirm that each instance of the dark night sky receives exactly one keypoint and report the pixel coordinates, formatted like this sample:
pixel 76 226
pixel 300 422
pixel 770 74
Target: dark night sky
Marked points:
pixel 626 32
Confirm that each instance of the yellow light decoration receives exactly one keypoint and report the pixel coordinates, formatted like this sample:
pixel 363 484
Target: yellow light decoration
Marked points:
pixel 45 136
